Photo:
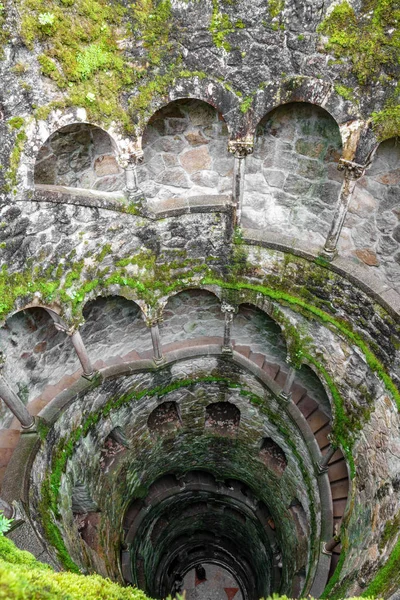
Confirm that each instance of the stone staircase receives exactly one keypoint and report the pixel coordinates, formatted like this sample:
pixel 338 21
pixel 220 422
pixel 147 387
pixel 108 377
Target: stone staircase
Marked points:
pixel 318 421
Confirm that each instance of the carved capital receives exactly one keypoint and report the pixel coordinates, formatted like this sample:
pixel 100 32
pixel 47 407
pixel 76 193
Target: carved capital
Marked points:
pixel 228 308
pixel 130 161
pixel 67 330
pixel 240 148
pixel 352 169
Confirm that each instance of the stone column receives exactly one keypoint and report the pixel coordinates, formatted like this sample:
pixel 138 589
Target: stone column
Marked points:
pixel 156 341
pixel 229 311
pixel 80 349
pixel 285 393
pixel 14 403
pixel 352 172
pixel 323 465
pixel 129 164
pixel 7 510
pixel 240 149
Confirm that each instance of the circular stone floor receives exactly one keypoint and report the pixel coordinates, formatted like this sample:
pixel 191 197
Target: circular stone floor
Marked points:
pixel 218 584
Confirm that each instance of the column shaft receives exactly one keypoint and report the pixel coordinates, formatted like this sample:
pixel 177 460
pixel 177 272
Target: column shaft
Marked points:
pixel 289 382
pixel 16 406
pixel 82 354
pixel 352 172
pixel 7 510
pixel 238 185
pixel 156 341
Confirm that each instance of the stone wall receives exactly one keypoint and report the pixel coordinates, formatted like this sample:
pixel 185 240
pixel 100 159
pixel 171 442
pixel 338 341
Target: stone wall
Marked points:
pixel 371 229
pixel 37 355
pixel 80 156
pixel 292 184
pixel 113 328
pixel 185 149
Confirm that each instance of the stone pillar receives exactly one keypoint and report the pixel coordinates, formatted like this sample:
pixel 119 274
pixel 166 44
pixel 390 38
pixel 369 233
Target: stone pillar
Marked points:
pixel 229 311
pixel 240 149
pixel 323 465
pixel 7 510
pixel 80 349
pixel 129 164
pixel 285 393
pixel 352 172
pixel 156 341
pixel 14 403
pixel 328 547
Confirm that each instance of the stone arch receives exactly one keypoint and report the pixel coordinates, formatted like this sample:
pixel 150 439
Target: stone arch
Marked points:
pixel 210 91
pixel 185 146
pixel 273 456
pixel 291 182
pixel 114 329
pixel 164 418
pixel 222 418
pixel 371 232
pixel 309 90
pixel 79 155
pixel 37 356
pixel 192 313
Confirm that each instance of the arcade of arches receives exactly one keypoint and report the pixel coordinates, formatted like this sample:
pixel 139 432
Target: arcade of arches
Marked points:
pixel 200 349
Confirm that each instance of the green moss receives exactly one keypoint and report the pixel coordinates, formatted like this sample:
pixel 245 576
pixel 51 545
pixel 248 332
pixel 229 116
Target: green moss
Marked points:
pixel 18 124
pixel 300 305
pixel 81 53
pixel 386 123
pixel 390 531
pixel 275 7
pixel 368 42
pixel 345 92
pixel 220 27
pixel 22 577
pixel 387 580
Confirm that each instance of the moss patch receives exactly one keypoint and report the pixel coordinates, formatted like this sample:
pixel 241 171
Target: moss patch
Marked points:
pixel 22 577
pixel 368 42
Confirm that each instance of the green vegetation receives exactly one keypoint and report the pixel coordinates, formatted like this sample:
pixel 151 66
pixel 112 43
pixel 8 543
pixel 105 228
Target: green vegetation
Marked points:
pixel 345 92
pixel 18 124
pixel 369 43
pixel 387 580
pixel 275 7
pixel 81 52
pixel 221 26
pixel 5 524
pixel 22 577
pixel 386 122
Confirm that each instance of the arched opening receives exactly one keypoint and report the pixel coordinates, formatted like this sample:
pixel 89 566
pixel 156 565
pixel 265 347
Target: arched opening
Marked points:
pixel 273 456
pixel 185 152
pixel 164 418
pixel 292 183
pixel 37 356
pixel 371 231
pixel 114 328
pixel 192 314
pixel 222 418
pixel 79 156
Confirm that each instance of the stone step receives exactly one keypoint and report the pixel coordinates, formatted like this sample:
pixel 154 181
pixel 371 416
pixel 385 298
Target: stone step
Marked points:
pixel 317 420
pixel 322 436
pixel 257 358
pixel 243 350
pixel 281 378
pixel 339 507
pixel 298 392
pixel 340 489
pixel 337 471
pixel 307 406
pixel 271 369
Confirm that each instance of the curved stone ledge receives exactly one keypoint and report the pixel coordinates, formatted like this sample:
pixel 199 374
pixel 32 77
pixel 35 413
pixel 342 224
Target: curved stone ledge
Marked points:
pixel 380 291
pixel 120 202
